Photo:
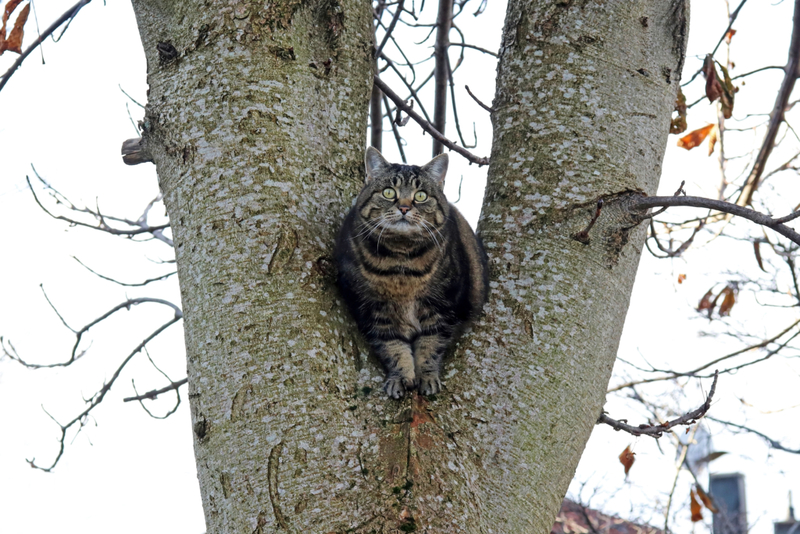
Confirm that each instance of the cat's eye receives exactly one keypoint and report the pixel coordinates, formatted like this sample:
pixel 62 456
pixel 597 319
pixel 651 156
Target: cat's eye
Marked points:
pixel 389 193
pixel 420 196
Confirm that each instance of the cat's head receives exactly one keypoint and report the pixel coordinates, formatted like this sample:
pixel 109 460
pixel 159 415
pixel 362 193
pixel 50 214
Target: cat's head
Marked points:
pixel 403 200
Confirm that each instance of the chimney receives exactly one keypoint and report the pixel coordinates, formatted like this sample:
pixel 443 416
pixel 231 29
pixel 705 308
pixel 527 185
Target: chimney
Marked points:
pixel 790 526
pixel 728 493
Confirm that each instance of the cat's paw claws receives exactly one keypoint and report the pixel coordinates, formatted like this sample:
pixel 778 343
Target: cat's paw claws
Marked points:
pixel 430 385
pixel 396 386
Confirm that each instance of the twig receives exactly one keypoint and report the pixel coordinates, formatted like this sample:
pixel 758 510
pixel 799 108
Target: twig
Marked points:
pixel 657 430
pixel 478 48
pixel 390 29
pixel 151 395
pixel 731 20
pixel 443 22
pixel 397 138
pixel 97 398
pixel 74 355
pixel 138 284
pixel 776 117
pixel 427 126
pixel 719 205
pixel 481 104
pixel 772 443
pixel 68 15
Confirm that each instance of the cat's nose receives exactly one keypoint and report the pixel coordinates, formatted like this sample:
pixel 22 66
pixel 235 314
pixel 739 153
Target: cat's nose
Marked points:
pixel 404 209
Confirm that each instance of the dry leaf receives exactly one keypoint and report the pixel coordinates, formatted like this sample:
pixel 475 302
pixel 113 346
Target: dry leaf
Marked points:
pixel 729 35
pixel 627 459
pixel 706 303
pixel 728 90
pixel 14 41
pixel 708 502
pixel 711 457
pixel 712 139
pixel 728 300
pixel 697 510
pixel 695 137
pixel 678 124
pixel 757 250
pixel 713 86
pixel 681 278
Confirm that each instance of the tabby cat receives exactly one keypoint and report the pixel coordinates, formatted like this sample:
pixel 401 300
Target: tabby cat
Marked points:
pixel 410 269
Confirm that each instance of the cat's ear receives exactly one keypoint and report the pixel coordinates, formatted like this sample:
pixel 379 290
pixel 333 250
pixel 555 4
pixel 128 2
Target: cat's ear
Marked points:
pixel 374 162
pixel 436 169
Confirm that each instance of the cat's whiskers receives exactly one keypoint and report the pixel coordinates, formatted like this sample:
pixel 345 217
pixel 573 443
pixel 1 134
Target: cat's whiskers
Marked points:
pixel 425 224
pixel 369 227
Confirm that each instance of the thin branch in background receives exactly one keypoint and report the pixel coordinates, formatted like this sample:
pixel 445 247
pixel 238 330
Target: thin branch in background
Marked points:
pixel 137 284
pixel 669 252
pixel 395 131
pixel 475 98
pixel 693 373
pixel 390 29
pixel 137 227
pixel 12 354
pixel 153 394
pixel 443 22
pixel 130 97
pixel 657 430
pixel 455 108
pixel 771 67
pixel 641 202
pixel 67 17
pixel 681 460
pixel 731 20
pixel 98 397
pixel 772 442
pixel 427 126
pixel 375 118
pixel 473 47
pixel 777 115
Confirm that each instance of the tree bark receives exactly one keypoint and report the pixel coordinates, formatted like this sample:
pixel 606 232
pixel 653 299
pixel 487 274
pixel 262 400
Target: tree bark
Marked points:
pixel 256 121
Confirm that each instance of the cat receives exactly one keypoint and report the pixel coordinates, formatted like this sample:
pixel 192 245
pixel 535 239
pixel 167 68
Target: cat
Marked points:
pixel 411 270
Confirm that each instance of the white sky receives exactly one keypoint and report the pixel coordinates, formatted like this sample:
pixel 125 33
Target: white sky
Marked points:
pixel 127 472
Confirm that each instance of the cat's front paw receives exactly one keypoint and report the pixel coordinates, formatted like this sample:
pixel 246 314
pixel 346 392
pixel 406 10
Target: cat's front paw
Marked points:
pixel 430 384
pixel 396 386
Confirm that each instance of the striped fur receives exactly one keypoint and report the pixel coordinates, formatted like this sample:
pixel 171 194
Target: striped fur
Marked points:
pixel 411 271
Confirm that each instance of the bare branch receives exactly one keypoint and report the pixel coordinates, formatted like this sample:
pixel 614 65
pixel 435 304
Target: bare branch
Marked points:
pixel 134 153
pixel 151 395
pixel 657 430
pixel 776 117
pixel 98 397
pixel 397 138
pixel 475 98
pixel 719 205
pixel 443 22
pixel 772 443
pixel 390 29
pixel 427 126
pixel 731 20
pixel 478 48
pixel 67 17
pixel 12 354
pixel 138 284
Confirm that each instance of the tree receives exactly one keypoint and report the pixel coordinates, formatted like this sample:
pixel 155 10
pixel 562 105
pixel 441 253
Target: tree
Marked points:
pixel 259 154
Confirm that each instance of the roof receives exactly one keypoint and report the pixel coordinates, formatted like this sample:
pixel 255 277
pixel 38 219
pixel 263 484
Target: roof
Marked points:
pixel 573 518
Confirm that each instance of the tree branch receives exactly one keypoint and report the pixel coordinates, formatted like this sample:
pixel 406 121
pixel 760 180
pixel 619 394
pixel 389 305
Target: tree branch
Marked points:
pixel 400 103
pixel 776 117
pixel 151 395
pixel 726 207
pixel 68 15
pixel 772 443
pixel 657 430
pixel 443 22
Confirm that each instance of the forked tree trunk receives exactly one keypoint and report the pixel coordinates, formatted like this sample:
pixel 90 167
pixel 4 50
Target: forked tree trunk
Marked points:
pixel 256 121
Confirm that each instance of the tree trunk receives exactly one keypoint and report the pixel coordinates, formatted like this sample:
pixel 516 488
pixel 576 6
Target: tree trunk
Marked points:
pixel 256 121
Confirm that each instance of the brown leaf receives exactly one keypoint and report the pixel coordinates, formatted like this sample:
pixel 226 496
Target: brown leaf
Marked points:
pixel 708 502
pixel 14 41
pixel 695 137
pixel 728 90
pixel 706 303
pixel 712 140
pixel 710 458
pixel 713 85
pixel 729 35
pixel 697 510
pixel 757 250
pixel 728 301
pixel 678 124
pixel 627 459
pixel 681 278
